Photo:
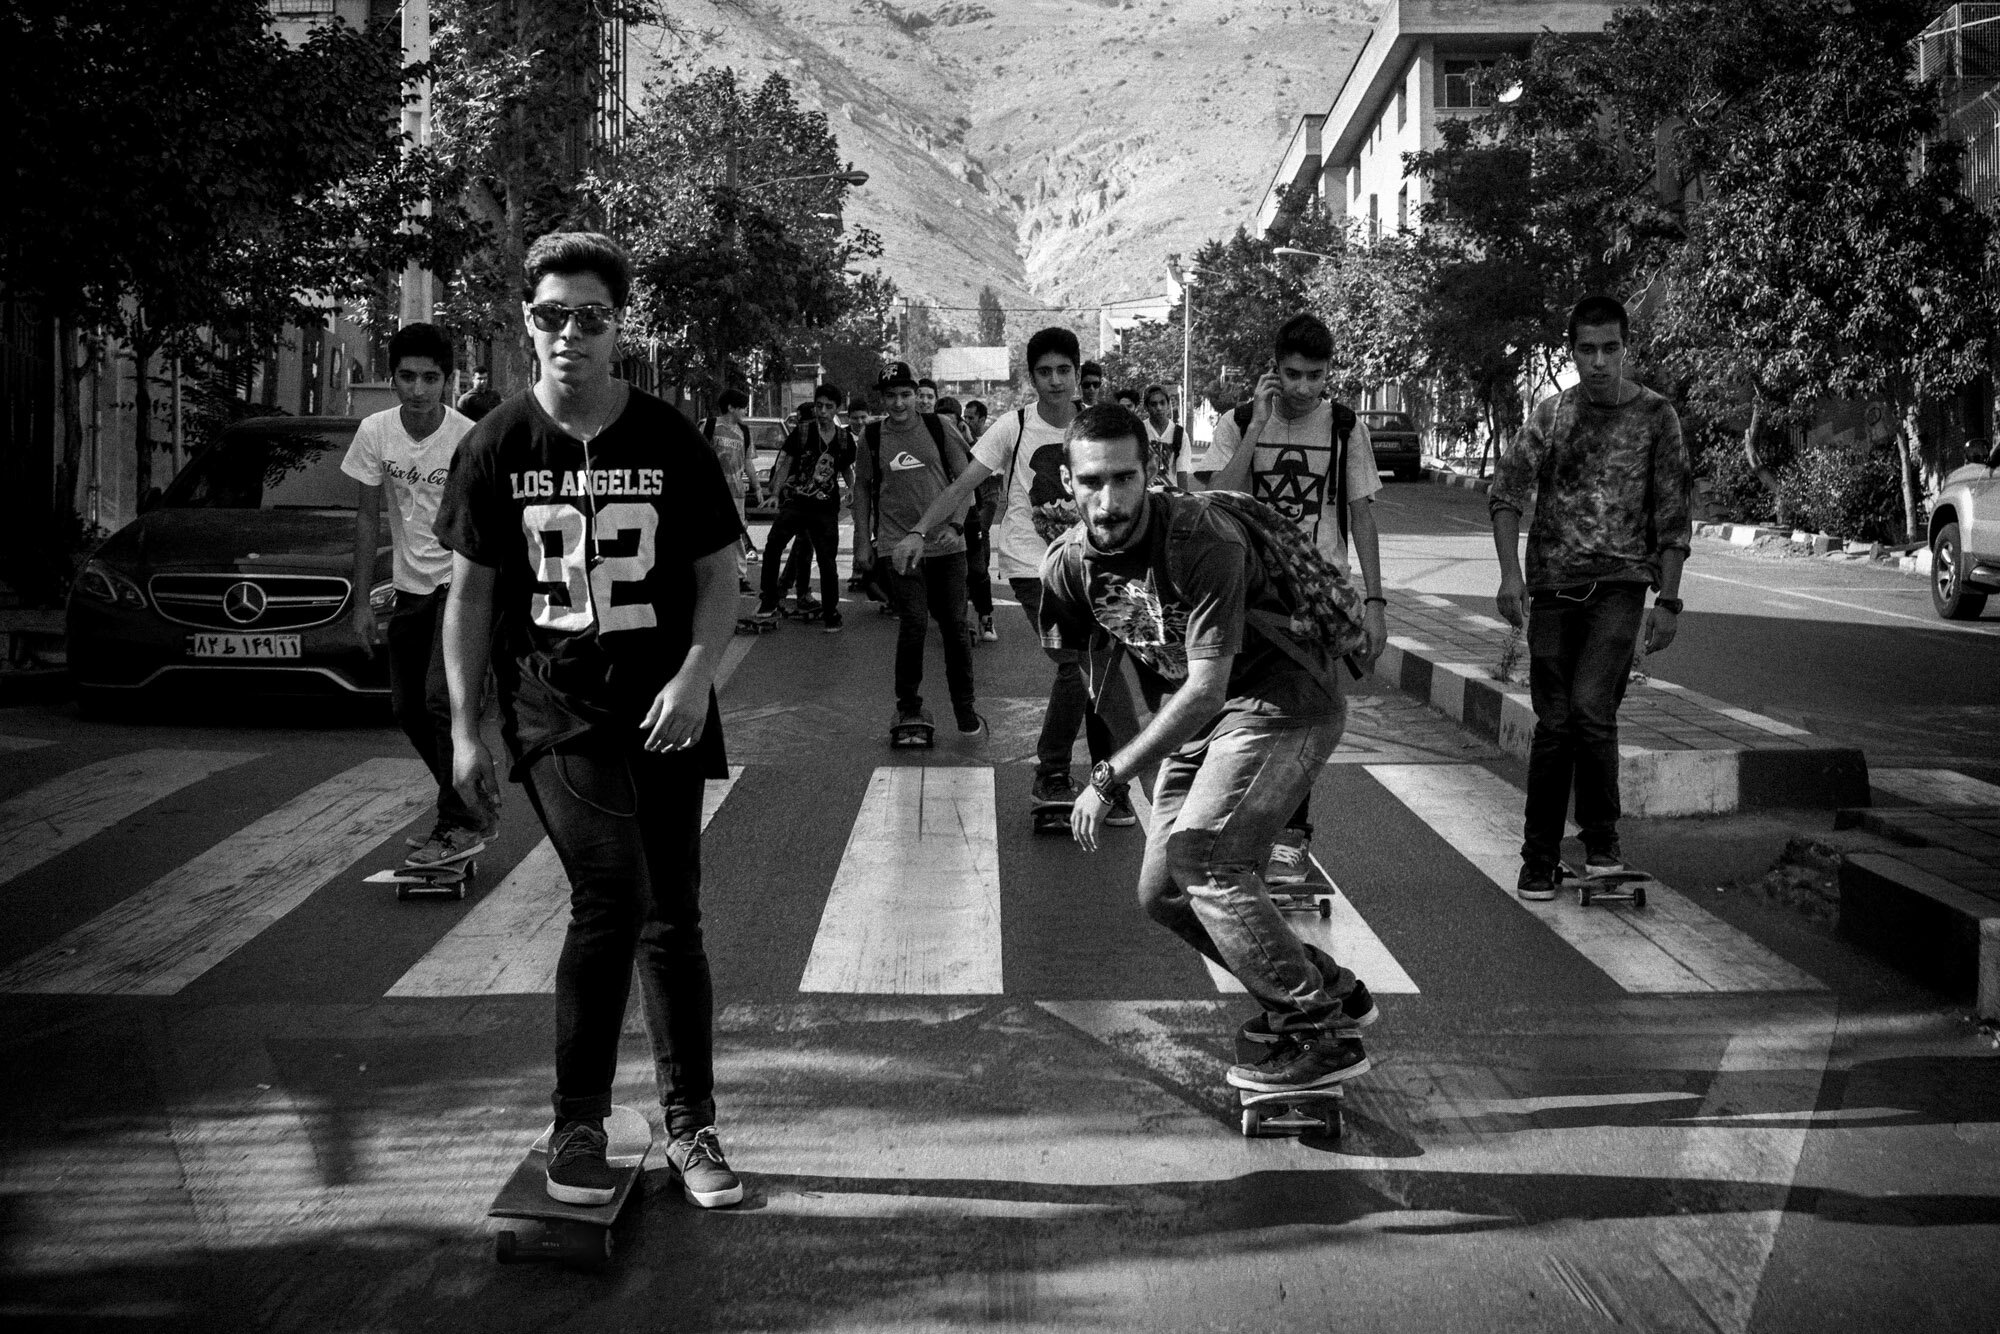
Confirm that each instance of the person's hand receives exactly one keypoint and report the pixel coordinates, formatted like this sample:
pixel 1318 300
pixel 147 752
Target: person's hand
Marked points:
pixel 1659 630
pixel 1375 620
pixel 903 557
pixel 473 778
pixel 1265 400
pixel 1513 589
pixel 363 619
pixel 678 715
pixel 1086 816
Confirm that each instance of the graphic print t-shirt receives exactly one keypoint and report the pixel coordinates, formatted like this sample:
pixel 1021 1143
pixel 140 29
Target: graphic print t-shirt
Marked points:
pixel 1090 595
pixel 812 477
pixel 596 556
pixel 1293 471
pixel 1036 506
pixel 414 471
pixel 1168 450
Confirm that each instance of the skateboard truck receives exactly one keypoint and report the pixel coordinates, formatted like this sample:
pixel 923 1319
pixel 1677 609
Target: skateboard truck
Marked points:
pixel 915 732
pixel 1302 902
pixel 445 879
pixel 1619 887
pixel 751 625
pixel 1314 1112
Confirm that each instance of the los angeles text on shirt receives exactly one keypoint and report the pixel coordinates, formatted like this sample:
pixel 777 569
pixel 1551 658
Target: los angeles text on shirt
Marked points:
pixel 598 482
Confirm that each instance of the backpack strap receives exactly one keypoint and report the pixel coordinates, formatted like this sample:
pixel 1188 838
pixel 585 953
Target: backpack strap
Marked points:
pixel 871 436
pixel 1343 422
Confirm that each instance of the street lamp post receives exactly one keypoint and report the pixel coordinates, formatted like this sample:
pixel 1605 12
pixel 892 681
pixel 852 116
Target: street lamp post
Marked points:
pixel 1304 254
pixel 1184 279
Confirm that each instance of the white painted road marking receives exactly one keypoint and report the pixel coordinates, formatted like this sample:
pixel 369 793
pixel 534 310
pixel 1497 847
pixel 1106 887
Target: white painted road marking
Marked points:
pixel 510 941
pixel 12 743
pixel 61 813
pixel 1669 946
pixel 1935 787
pixel 192 918
pixel 915 904
pixel 1931 621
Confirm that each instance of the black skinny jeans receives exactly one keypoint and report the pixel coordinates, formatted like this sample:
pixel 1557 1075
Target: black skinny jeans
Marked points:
pixel 822 529
pixel 418 696
pixel 934 590
pixel 978 550
pixel 627 827
pixel 1580 643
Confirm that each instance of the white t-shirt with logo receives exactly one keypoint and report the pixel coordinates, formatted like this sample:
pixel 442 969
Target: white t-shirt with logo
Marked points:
pixel 415 471
pixel 1036 505
pixel 1292 471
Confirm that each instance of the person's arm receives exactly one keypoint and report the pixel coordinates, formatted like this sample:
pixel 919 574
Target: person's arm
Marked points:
pixel 679 713
pixel 1368 555
pixel 863 506
pixel 468 649
pixel 781 467
pixel 1507 546
pixel 950 502
pixel 1514 487
pixel 367 541
pixel 1186 712
pixel 1673 528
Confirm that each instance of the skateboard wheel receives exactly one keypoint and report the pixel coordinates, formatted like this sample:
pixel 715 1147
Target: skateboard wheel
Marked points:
pixel 504 1251
pixel 1331 1120
pixel 402 893
pixel 587 1248
pixel 1583 894
pixel 458 890
pixel 1638 896
pixel 1326 907
pixel 1253 1122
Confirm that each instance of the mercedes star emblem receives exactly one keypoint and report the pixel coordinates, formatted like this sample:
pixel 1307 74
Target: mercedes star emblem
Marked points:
pixel 243 603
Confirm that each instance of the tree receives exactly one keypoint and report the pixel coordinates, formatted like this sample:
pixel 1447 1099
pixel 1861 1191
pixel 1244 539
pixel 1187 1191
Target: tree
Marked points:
pixel 992 319
pixel 726 199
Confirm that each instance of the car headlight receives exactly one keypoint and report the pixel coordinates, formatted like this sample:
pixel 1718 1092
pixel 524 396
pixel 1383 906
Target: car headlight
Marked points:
pixel 105 584
pixel 382 598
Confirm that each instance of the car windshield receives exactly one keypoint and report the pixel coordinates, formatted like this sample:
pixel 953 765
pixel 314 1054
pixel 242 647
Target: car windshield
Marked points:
pixel 274 470
pixel 766 434
pixel 1387 421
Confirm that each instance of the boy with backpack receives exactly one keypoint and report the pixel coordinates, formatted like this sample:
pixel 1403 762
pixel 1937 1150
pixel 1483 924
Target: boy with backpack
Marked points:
pixel 1218 599
pixel 905 463
pixel 1295 449
pixel 818 455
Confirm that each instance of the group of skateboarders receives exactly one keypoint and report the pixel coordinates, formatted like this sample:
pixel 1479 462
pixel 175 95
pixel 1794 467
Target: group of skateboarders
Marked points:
pixel 582 541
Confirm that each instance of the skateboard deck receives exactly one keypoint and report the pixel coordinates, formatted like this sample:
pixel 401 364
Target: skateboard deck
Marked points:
pixel 1052 817
pixel 1312 895
pixel 750 625
pixel 913 735
pixel 1623 887
pixel 1297 1112
pixel 576 1235
pixel 446 879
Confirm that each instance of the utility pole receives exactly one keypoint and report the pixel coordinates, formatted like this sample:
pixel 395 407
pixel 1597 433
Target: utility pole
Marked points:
pixel 417 290
pixel 1184 279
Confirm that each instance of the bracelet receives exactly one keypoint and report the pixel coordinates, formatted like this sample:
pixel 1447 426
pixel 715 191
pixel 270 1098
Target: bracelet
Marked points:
pixel 1366 601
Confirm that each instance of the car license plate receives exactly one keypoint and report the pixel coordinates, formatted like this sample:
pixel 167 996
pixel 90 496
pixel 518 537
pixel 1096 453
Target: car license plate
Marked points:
pixel 243 646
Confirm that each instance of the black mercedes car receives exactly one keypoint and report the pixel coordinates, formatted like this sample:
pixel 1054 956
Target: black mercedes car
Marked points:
pixel 239 577
pixel 1398 447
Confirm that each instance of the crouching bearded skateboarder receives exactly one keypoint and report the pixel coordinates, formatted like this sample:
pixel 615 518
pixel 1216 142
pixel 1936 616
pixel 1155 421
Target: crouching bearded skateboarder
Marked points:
pixel 1199 591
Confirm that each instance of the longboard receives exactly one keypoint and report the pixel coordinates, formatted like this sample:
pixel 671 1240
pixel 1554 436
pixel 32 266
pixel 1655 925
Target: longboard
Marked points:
pixel 447 878
pixel 1052 817
pixel 576 1235
pixel 1626 886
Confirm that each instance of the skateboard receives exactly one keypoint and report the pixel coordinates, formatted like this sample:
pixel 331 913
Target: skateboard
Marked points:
pixel 1623 887
pixel 792 611
pixel 446 879
pixel 577 1235
pixel 919 733
pixel 1297 1112
pixel 1312 895
pixel 1052 817
pixel 750 625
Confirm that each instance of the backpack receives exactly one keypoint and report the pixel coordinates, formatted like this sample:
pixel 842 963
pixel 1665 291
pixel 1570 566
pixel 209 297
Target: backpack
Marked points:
pixel 871 436
pixel 1326 610
pixel 1343 431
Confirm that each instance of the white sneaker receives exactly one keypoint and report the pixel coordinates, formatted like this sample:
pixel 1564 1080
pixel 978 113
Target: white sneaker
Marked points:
pixel 1287 866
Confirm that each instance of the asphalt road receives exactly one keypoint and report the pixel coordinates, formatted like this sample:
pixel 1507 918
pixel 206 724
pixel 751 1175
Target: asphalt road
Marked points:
pixel 968 1084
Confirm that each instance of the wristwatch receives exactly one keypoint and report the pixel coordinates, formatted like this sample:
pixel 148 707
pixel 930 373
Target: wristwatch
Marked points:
pixel 1668 604
pixel 1104 781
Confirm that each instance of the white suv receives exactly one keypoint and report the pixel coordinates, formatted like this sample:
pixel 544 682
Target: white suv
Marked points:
pixel 1965 540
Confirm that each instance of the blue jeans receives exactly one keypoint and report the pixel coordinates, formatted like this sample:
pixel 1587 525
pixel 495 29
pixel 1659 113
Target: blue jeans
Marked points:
pixel 933 591
pixel 1105 725
pixel 1214 816
pixel 419 700
pixel 1580 643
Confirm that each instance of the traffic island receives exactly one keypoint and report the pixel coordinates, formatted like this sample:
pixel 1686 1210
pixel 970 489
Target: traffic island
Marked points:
pixel 1931 904
pixel 1683 753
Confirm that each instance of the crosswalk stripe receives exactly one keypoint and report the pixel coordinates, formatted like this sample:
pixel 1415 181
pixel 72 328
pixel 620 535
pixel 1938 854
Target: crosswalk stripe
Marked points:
pixel 61 813
pixel 1342 934
pixel 1935 787
pixel 1669 946
pixel 190 919
pixel 12 743
pixel 915 904
pixel 508 944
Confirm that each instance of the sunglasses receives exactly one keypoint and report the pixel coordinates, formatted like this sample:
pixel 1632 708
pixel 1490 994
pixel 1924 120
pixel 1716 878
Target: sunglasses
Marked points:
pixel 550 317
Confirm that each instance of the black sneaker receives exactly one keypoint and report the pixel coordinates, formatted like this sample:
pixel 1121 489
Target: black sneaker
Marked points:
pixel 1305 1063
pixel 1052 790
pixel 1121 815
pixel 1359 1007
pixel 578 1173
pixel 705 1177
pixel 1536 883
pixel 810 607
pixel 834 622
pixel 1604 861
pixel 969 721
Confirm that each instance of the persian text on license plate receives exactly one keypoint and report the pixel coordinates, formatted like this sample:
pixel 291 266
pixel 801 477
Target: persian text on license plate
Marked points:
pixel 243 646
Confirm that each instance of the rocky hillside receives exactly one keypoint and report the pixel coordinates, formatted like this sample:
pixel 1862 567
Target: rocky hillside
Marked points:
pixel 1057 149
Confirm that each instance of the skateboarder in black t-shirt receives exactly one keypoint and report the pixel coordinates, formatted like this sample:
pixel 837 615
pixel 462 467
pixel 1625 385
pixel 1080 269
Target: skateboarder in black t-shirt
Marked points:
pixel 592 523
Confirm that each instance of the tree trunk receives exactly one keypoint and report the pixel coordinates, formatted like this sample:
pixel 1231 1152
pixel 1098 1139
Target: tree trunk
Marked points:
pixel 69 379
pixel 1908 451
pixel 1761 464
pixel 144 345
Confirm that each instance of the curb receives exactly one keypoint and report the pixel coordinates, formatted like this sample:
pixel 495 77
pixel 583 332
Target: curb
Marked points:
pixel 1943 934
pixel 1483 485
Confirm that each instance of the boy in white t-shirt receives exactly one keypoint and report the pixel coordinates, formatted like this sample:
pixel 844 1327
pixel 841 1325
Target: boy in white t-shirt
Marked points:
pixel 408 450
pixel 1024 449
pixel 1286 452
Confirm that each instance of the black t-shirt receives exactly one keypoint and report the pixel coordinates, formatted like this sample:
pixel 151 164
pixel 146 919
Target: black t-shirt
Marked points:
pixel 596 553
pixel 812 477
pixel 1090 596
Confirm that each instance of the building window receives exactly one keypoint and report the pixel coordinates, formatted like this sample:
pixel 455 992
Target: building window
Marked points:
pixel 1403 209
pixel 1374 218
pixel 1402 106
pixel 287 9
pixel 1355 172
pixel 1455 89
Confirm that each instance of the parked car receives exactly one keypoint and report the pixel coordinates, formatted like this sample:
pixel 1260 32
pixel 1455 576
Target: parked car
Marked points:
pixel 767 440
pixel 1965 540
pixel 240 577
pixel 1397 445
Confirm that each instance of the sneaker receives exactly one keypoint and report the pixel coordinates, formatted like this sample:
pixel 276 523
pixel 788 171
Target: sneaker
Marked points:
pixel 1605 861
pixel 1359 1007
pixel 1121 815
pixel 578 1173
pixel 1288 866
pixel 765 614
pixel 810 607
pixel 1054 789
pixel 986 630
pixel 1303 1063
pixel 1536 882
pixel 743 586
pixel 969 721
pixel 833 622
pixel 446 845
pixel 705 1177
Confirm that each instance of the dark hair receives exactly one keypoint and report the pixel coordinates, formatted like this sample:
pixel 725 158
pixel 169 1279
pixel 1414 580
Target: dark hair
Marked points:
pixel 1305 336
pixel 948 406
pixel 1600 310
pixel 578 252
pixel 1090 368
pixel 420 340
pixel 1152 389
pixel 831 393
pixel 972 403
pixel 1054 339
pixel 481 370
pixel 732 398
pixel 1106 421
pixel 1127 395
pixel 927 383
